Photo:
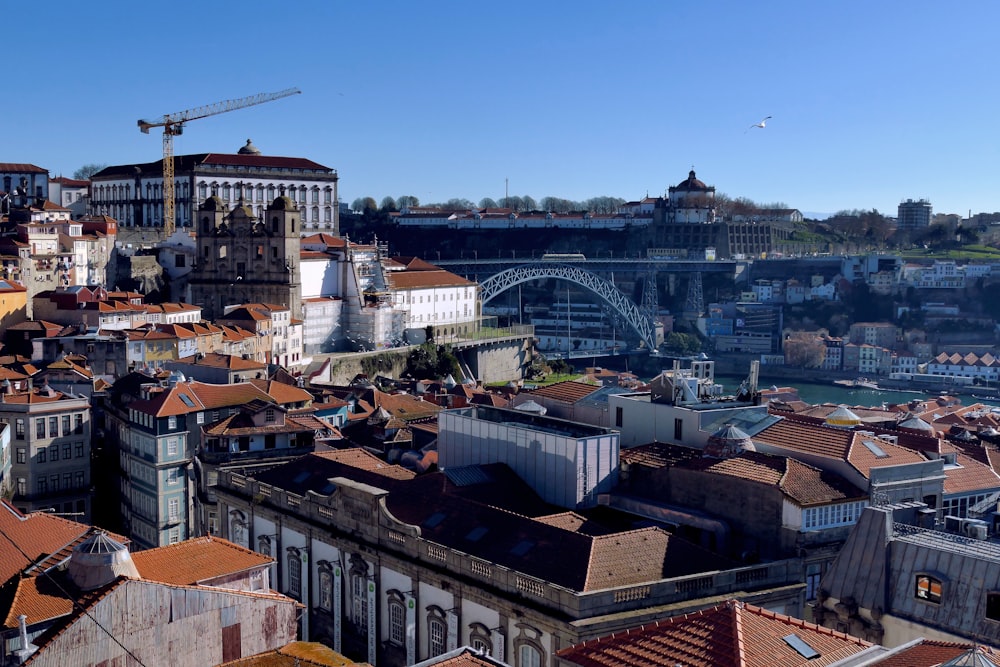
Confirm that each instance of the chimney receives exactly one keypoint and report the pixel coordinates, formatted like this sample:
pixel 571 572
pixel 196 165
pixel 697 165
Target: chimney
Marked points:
pixel 27 648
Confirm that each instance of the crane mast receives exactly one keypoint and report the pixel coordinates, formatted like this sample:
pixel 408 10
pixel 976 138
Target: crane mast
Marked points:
pixel 173 124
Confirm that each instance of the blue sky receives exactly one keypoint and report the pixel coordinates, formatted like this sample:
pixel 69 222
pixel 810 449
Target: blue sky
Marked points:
pixel 872 102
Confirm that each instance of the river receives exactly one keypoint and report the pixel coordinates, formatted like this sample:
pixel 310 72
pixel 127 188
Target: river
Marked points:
pixel 811 392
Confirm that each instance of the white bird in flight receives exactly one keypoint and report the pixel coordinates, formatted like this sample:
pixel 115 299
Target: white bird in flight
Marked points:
pixel 761 124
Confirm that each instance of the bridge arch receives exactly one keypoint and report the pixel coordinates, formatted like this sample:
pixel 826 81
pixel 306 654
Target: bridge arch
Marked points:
pixel 606 291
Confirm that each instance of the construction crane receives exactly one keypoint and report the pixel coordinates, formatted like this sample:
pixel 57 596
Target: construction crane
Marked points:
pixel 173 124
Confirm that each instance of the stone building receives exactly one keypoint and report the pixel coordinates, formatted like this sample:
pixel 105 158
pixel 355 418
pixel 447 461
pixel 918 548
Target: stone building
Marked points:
pixel 244 257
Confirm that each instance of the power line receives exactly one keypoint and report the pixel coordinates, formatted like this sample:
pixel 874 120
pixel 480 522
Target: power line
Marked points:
pixel 72 599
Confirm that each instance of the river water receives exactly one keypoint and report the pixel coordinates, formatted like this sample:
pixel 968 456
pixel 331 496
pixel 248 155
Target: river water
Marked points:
pixel 814 393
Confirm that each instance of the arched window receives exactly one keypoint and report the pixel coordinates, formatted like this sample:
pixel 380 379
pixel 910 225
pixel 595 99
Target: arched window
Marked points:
pixel 480 638
pixel 325 585
pixel 397 618
pixel 359 595
pixel 270 193
pixel 528 656
pixel 238 528
pixel 328 215
pixel 294 580
pixel 222 251
pixel 203 190
pixel 528 647
pixel 227 192
pixel 437 631
pixel 264 545
pixel 315 195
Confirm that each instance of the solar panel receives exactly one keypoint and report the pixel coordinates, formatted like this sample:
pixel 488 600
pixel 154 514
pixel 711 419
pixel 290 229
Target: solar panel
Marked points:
pixel 467 475
pixel 434 520
pixel 804 649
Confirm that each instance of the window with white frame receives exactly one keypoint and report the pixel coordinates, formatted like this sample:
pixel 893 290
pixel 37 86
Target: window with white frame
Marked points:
pixel 325 586
pixel 437 635
pixel 397 618
pixel 832 516
pixel 173 509
pixel 294 560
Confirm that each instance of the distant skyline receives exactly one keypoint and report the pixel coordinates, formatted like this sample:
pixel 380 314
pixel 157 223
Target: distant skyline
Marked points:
pixel 870 103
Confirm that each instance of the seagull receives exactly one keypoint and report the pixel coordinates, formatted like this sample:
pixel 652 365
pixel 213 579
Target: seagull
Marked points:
pixel 761 124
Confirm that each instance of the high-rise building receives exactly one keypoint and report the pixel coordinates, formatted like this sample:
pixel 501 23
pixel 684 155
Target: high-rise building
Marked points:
pixel 914 214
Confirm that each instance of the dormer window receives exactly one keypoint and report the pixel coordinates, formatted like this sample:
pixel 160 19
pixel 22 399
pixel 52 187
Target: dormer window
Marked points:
pixel 928 588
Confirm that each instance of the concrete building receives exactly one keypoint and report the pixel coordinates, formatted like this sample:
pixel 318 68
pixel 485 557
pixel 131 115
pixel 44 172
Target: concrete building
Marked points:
pixel 912 214
pixel 51 449
pixel 133 193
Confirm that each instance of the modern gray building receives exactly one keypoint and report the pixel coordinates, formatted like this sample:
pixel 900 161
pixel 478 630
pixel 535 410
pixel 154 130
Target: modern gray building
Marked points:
pixel 914 214
pixel 566 463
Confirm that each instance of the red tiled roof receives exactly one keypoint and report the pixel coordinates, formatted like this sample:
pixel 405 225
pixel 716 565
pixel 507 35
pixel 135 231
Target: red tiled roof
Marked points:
pixel 39 599
pixel 927 653
pixel 296 654
pixel 730 634
pixel 196 560
pixel 362 459
pixel 283 393
pixel 35 535
pixel 425 278
pixel 570 391
pixel 227 361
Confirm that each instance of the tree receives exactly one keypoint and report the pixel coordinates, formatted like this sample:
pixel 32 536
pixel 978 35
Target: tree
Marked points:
pixel 486 202
pixel 528 203
pixel 388 204
pixel 406 201
pixel 804 349
pixel 86 171
pixel 681 344
pixel 362 204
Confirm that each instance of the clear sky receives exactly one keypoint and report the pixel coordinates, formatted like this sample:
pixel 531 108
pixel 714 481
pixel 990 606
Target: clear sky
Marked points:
pixel 872 102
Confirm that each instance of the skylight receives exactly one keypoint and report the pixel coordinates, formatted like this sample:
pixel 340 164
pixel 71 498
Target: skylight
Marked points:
pixel 803 649
pixel 476 534
pixel 434 519
pixel 522 547
pixel 301 477
pixel 875 449
pixel 185 399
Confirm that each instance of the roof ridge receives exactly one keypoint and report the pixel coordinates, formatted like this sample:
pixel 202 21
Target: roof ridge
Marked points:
pixel 737 609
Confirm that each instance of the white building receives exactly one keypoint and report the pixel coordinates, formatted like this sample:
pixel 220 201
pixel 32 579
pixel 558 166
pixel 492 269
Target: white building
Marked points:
pixel 427 296
pixel 133 193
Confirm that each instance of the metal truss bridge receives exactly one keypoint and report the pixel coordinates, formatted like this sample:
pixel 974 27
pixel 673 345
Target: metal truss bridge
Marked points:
pixel 640 320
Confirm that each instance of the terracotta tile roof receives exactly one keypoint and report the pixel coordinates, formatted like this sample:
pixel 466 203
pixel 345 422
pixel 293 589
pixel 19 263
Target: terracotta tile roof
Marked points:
pixel 364 460
pixel 972 475
pixel 730 634
pixel 793 436
pixel 927 653
pixel 38 598
pixel 227 361
pixel 196 560
pixel 296 654
pixel 283 393
pixel 36 535
pixel 423 279
pixel 226 395
pixel 574 522
pixel 567 392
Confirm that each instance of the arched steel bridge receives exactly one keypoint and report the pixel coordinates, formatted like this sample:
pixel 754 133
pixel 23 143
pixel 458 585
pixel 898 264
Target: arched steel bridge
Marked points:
pixel 639 321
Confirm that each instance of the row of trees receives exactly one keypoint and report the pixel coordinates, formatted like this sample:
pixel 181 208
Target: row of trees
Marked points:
pixel 604 205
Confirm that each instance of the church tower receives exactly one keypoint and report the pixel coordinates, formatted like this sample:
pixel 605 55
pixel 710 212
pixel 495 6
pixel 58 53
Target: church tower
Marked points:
pixel 243 259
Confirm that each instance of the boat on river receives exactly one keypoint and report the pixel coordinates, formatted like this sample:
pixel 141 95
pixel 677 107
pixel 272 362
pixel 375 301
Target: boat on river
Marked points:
pixel 858 383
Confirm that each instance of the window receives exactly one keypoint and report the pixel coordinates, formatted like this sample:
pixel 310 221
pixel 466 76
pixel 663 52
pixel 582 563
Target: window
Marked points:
pixel 993 606
pixel 43 486
pixel 437 632
pixel 325 587
pixel 172 477
pixel 78 479
pixel 269 415
pixel 678 429
pixel 78 424
pixel 54 481
pixel 67 450
pixel 19 429
pixel 172 423
pixel 619 415
pixel 65 424
pixel 813 573
pixel 54 427
pixel 172 447
pixel 54 453
pixel 359 602
pixel 40 428
pixel 529 656
pixel 397 619
pixel 294 574
pixel 928 588
pixel 22 455
pixel 79 449
pixel 264 545
pixel 41 456
pixel 173 509
pixel 22 486
pixel 174 535
pixel 479 638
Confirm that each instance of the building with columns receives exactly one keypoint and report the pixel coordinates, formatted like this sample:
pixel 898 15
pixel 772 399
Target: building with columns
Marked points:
pixel 133 193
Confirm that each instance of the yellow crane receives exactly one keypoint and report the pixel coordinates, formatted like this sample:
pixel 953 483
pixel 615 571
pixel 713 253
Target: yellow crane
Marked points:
pixel 173 124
